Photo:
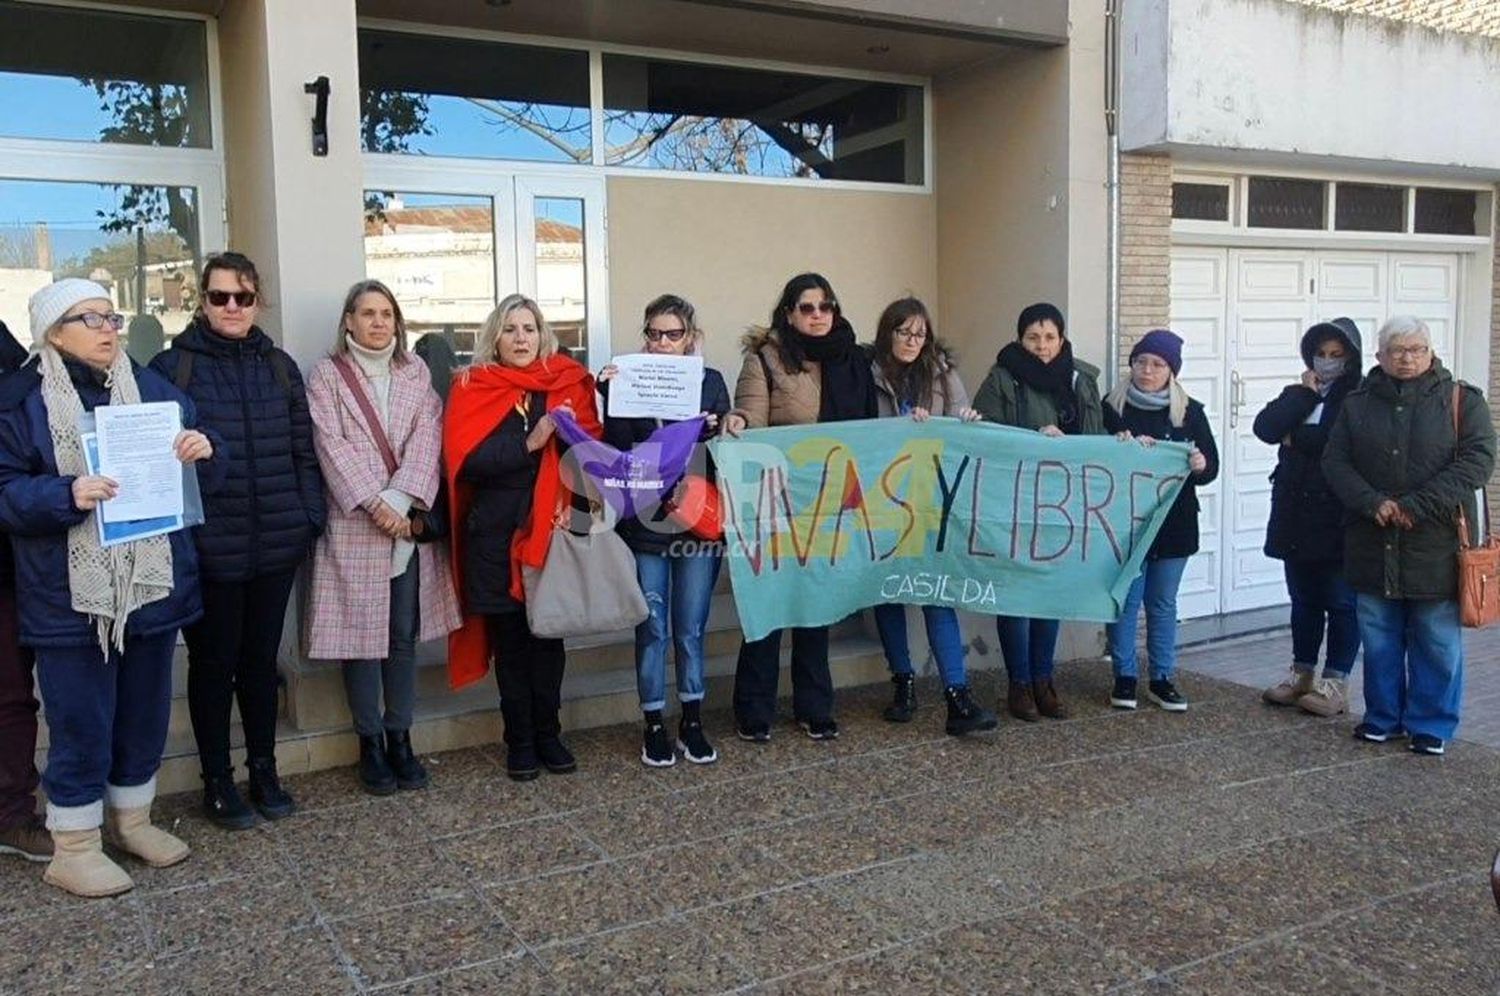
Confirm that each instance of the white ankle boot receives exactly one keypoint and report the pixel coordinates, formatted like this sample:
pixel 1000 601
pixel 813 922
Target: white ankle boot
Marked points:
pixel 79 866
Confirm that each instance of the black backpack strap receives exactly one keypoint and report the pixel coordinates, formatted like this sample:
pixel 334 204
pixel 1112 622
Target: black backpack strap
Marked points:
pixel 184 374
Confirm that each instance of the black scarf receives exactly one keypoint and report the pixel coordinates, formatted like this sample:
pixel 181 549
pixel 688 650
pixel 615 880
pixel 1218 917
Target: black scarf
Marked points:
pixel 848 385
pixel 1054 379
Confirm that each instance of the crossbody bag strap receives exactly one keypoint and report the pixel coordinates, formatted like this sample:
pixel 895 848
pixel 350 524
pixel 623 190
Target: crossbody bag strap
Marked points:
pixel 362 399
pixel 1463 518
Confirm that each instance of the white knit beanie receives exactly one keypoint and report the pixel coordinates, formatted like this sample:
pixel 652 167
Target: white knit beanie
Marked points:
pixel 53 301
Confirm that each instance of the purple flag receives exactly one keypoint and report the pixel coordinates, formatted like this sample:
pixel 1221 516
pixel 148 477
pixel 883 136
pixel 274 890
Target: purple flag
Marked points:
pixel 637 479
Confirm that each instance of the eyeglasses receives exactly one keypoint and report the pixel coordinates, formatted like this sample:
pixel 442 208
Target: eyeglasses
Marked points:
pixel 1406 352
pixel 912 335
pixel 220 299
pixel 96 321
pixel 671 335
pixel 809 309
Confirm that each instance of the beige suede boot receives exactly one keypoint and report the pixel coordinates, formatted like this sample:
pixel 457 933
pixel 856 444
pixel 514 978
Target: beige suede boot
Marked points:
pixel 1328 698
pixel 80 866
pixel 130 830
pixel 1292 688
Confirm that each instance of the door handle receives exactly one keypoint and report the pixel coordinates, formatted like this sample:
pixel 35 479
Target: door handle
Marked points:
pixel 1236 397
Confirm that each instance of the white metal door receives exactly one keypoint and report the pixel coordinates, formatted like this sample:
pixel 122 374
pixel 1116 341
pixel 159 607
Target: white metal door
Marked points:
pixel 561 261
pixel 1242 314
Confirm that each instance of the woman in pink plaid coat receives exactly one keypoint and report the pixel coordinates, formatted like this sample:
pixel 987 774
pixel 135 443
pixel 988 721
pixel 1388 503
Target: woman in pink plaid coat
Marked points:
pixel 379 584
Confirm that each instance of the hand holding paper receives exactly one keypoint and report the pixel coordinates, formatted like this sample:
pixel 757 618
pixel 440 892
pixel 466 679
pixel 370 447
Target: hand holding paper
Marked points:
pixel 656 385
pixel 137 449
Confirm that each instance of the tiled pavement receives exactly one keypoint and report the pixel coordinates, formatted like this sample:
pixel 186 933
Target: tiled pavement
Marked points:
pixel 1232 849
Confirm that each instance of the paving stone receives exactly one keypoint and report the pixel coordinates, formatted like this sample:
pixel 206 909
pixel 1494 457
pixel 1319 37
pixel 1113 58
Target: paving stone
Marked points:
pixel 409 941
pixel 518 975
pixel 580 901
pixel 271 964
pixel 500 854
pixel 800 927
pixel 667 957
pixel 1028 952
pixel 227 911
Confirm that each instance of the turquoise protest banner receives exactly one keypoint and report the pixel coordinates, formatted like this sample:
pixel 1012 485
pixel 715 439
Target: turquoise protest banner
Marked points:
pixel 822 520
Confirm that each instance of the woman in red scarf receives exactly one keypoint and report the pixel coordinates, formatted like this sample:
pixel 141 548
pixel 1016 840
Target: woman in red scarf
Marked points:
pixel 504 489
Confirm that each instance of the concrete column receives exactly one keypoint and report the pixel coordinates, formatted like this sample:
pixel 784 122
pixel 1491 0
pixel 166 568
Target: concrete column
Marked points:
pixel 299 216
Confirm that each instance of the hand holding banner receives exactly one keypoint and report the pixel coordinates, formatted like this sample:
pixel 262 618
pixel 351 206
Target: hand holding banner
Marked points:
pixel 822 520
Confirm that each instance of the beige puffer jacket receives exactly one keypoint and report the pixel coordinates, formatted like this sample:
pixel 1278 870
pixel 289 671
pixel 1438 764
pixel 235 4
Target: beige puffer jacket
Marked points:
pixel 766 393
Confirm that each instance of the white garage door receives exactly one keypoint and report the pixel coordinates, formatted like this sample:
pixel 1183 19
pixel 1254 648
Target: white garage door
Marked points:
pixel 1242 313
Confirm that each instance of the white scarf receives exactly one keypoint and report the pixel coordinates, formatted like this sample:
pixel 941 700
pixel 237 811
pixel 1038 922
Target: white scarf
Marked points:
pixel 106 583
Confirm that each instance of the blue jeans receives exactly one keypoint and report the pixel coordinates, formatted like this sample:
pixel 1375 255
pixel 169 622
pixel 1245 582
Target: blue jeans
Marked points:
pixel 1029 647
pixel 1320 596
pixel 1156 586
pixel 679 592
pixel 1414 665
pixel 942 635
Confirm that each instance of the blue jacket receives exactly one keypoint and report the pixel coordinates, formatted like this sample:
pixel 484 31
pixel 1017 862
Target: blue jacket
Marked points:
pixel 265 518
pixel 36 508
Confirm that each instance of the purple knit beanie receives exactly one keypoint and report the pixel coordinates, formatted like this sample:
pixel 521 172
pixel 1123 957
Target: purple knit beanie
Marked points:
pixel 1163 343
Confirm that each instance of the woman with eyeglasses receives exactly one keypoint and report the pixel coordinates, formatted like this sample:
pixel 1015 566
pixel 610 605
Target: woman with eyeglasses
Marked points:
pixel 102 621
pixel 505 487
pixel 677 571
pixel 804 368
pixel 379 581
pixel 1149 405
pixel 915 377
pixel 1037 384
pixel 258 529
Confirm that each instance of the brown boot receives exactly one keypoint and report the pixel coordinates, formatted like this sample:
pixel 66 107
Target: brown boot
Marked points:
pixel 80 866
pixel 1328 698
pixel 1292 688
pixel 1019 702
pixel 1047 702
pixel 131 831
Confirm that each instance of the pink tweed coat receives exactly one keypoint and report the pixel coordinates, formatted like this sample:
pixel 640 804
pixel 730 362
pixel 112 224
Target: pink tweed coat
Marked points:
pixel 349 598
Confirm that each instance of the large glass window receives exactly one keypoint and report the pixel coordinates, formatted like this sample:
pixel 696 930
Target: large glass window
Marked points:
pixel 90 75
pixel 721 119
pixel 1277 202
pixel 1367 207
pixel 436 96
pixel 140 242
pixel 1447 212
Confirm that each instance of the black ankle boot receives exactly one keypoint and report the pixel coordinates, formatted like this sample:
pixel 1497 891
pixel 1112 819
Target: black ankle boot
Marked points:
pixel 904 701
pixel 398 753
pixel 555 756
pixel 266 793
pixel 375 772
pixel 223 805
pixel 964 716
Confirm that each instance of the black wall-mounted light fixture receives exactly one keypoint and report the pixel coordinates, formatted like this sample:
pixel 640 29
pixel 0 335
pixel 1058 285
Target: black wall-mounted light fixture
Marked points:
pixel 319 87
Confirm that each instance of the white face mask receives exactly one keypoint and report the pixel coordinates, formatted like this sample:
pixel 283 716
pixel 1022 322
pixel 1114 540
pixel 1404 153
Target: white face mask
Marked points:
pixel 1329 368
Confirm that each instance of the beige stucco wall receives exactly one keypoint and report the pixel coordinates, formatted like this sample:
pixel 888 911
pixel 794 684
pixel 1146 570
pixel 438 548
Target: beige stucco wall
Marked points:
pixel 729 248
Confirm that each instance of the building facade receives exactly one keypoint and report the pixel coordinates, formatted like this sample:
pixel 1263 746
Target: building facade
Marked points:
pixel 1280 162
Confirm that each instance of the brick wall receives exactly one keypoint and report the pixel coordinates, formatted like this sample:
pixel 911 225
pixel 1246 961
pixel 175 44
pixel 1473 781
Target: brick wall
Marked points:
pixel 1145 247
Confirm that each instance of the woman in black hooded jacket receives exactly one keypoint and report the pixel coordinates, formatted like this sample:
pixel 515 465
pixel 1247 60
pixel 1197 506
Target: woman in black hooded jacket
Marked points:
pixel 1306 531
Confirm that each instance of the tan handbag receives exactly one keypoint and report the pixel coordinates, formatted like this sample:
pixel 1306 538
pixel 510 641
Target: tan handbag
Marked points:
pixel 587 584
pixel 1478 566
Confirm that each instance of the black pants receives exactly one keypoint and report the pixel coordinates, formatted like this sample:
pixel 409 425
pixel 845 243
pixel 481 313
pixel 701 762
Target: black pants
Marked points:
pixel 232 654
pixel 759 669
pixel 529 671
pixel 18 705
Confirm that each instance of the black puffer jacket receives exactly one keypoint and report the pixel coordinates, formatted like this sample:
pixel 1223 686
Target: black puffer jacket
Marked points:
pixel 1395 440
pixel 624 433
pixel 1307 518
pixel 1179 534
pixel 270 509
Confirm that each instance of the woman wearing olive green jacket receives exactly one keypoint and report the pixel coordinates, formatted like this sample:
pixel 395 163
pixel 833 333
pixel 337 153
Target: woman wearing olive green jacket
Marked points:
pixel 1036 384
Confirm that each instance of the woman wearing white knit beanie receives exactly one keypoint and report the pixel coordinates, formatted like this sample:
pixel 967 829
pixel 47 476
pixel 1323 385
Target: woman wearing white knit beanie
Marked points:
pixel 103 621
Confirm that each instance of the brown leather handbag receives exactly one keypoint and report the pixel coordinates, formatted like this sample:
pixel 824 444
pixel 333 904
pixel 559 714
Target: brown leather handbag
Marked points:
pixel 1478 566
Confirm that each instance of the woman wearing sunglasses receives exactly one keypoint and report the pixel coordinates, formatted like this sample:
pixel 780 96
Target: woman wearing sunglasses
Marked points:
pixel 258 529
pixel 804 368
pixel 1037 384
pixel 102 621
pixel 677 572
pixel 915 377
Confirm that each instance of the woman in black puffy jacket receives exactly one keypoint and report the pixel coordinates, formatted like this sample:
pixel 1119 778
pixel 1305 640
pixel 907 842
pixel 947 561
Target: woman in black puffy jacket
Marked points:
pixel 257 529
pixel 1306 531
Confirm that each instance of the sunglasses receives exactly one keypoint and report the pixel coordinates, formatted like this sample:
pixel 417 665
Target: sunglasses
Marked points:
pixel 671 335
pixel 809 309
pixel 220 299
pixel 96 321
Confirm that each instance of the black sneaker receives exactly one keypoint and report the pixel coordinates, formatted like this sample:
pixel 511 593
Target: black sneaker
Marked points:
pixel 755 734
pixel 656 748
pixel 1165 694
pixel 820 729
pixel 693 744
pixel 555 756
pixel 1369 734
pixel 1122 696
pixel 1423 743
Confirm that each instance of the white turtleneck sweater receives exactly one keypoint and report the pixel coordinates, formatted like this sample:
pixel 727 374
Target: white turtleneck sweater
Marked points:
pixel 376 365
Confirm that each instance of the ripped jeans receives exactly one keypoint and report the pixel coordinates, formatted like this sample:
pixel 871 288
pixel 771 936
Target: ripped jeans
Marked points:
pixel 679 592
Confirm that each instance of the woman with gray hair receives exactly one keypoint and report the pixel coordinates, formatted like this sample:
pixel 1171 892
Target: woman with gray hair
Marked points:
pixel 1410 446
pixel 502 465
pixel 379 584
pixel 103 620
